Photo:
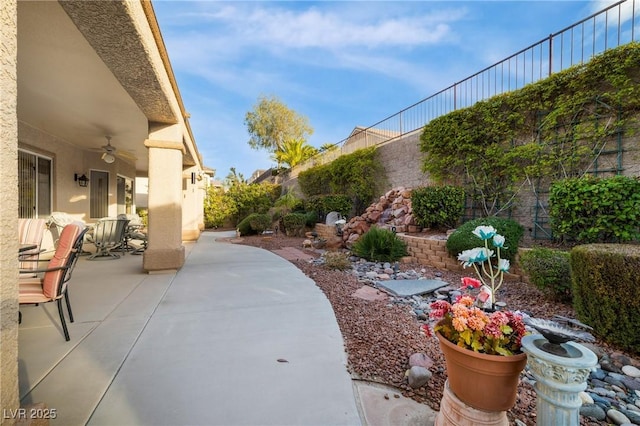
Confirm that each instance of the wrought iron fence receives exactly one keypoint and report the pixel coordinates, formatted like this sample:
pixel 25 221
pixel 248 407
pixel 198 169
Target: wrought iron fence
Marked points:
pixel 576 44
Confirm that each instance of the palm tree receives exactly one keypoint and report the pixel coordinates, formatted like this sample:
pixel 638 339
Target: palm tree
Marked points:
pixel 294 151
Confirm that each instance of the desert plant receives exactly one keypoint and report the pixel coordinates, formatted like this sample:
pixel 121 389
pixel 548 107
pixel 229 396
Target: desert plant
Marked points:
pixel 379 245
pixel 337 260
pixel 549 270
pixel 463 238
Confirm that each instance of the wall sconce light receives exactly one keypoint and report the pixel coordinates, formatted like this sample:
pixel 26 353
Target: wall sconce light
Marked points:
pixel 82 180
pixel 193 178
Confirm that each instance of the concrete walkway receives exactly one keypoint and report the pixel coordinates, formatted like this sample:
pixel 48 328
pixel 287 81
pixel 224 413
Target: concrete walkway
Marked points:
pixel 239 336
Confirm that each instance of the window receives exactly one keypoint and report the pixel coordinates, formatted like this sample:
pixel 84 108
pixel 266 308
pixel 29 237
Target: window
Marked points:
pixel 99 199
pixel 34 185
pixel 125 195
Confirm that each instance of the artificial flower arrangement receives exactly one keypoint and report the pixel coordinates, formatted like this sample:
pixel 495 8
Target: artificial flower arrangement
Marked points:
pixel 490 275
pixel 464 322
pixel 468 326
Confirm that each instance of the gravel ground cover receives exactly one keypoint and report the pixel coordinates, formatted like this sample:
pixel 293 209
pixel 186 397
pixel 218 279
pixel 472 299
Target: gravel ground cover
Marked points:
pixel 380 336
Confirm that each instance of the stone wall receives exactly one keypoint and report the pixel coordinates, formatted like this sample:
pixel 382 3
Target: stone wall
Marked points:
pixel 432 251
pixel 402 162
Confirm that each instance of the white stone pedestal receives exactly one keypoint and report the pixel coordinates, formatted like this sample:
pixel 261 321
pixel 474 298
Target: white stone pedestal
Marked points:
pixel 559 380
pixel 454 412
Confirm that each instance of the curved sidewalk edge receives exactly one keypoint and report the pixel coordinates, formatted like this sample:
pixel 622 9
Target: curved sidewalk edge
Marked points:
pixel 241 337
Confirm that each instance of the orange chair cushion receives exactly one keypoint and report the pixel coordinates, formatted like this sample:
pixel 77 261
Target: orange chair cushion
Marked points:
pixel 31 292
pixel 52 280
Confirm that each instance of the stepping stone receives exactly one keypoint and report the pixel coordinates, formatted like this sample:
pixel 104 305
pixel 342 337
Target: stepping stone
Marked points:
pixel 407 288
pixel 291 253
pixel 369 293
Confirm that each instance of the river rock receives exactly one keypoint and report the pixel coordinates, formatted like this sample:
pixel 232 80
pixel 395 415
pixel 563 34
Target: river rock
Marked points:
pixel 585 398
pixel 632 371
pixel 593 411
pixel 420 360
pixel 418 376
pixel 617 417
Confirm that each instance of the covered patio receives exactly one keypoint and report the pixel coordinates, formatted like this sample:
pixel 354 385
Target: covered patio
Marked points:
pixel 90 106
pixel 237 336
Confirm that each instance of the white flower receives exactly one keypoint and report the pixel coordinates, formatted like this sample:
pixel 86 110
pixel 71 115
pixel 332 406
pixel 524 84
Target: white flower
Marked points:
pixel 498 241
pixel 503 265
pixel 484 232
pixel 474 255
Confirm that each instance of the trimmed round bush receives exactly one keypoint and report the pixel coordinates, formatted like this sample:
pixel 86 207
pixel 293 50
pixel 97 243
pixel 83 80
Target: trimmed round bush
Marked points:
pixel 379 245
pixel 294 224
pixel 255 223
pixel 549 270
pixel 463 239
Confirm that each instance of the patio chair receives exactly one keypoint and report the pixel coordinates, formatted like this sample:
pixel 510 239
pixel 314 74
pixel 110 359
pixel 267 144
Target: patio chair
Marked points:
pixel 52 285
pixel 108 235
pixel 135 231
pixel 56 223
pixel 30 232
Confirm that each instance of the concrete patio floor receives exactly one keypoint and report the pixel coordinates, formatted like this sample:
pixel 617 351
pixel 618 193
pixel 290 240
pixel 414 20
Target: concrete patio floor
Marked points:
pixel 239 336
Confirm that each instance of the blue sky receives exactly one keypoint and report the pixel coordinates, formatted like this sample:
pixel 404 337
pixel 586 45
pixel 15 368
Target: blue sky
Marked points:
pixel 341 64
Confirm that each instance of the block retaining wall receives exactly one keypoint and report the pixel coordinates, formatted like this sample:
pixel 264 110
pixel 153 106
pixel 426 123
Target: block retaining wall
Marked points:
pixel 433 252
pixel 428 252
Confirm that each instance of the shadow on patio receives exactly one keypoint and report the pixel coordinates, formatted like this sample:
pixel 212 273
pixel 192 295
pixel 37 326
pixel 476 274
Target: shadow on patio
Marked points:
pixel 203 346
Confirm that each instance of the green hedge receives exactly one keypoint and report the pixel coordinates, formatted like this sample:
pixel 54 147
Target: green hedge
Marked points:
pixel 590 209
pixel 359 175
pixel 549 270
pixel 324 204
pixel 606 291
pixel 255 223
pixel 294 224
pixel 438 206
pixel 463 239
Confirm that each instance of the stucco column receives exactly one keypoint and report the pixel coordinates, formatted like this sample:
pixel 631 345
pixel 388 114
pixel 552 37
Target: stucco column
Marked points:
pixel 8 213
pixel 165 251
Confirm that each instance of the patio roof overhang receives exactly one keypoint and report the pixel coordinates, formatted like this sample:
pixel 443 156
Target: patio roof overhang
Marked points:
pixel 91 69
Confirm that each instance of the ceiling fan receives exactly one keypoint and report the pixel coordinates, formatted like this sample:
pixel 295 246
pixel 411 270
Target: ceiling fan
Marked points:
pixel 110 152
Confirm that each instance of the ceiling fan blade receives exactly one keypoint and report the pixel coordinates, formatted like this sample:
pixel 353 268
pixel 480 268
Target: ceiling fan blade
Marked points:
pixel 126 155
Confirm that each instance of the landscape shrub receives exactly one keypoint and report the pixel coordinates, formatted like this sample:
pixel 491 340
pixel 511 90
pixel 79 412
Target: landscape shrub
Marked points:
pixel 438 206
pixel 337 260
pixel 606 291
pixel 549 270
pixel 294 224
pixel 359 175
pixel 463 239
pixel 379 245
pixel 260 222
pixel 324 204
pixel 311 219
pixel 255 223
pixel 590 209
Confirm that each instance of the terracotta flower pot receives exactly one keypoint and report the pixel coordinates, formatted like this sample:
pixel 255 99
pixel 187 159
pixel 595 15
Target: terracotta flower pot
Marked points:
pixel 485 382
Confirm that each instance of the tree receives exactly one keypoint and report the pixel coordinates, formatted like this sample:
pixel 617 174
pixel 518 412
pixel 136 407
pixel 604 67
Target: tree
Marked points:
pixel 234 178
pixel 271 123
pixel 293 152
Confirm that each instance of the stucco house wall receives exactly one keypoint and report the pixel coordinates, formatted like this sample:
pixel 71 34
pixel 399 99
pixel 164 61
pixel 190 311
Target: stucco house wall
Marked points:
pixel 8 209
pixel 68 197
